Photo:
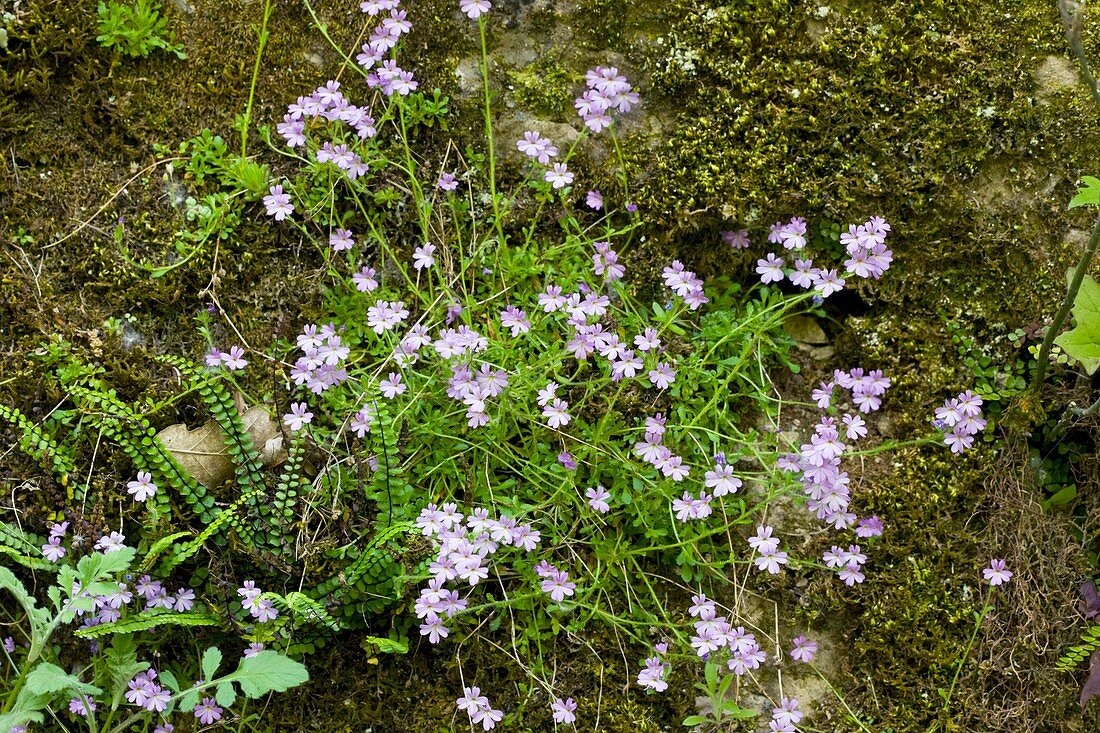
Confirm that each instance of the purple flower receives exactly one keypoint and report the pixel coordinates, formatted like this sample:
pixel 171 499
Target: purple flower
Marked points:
pixel 52 550
pixel 594 200
pixel 422 256
pixel 996 573
pixel 536 146
pixel 804 649
pixel 340 240
pixel 365 280
pixel 869 527
pixel 111 542
pixel 663 376
pixel 447 182
pixel 434 629
pixel 77 707
pixel 185 600
pixel 515 319
pixel 253 650
pixel 234 359
pixel 653 676
pixel 555 413
pixel 558 586
pixel 560 176
pixel 787 712
pixel 392 386
pixel 143 487
pixel 770 269
pixel 563 710
pixel 298 416
pixel 567 460
pixel 597 499
pixel 474 9
pixel 278 203
pixel 208 711
pixel 737 240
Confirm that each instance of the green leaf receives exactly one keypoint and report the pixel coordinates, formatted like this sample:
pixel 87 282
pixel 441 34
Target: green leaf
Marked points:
pixel 46 679
pixel 1083 342
pixel 267 672
pixel 693 720
pixel 211 660
pixel 39 617
pixel 389 646
pixel 169 680
pixel 226 695
pixel 1088 194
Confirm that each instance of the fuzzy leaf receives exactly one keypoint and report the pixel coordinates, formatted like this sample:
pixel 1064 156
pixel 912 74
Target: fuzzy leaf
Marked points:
pixel 211 660
pixel 39 617
pixel 267 672
pixel 46 679
pixel 1083 342
pixel 1088 194
pixel 226 695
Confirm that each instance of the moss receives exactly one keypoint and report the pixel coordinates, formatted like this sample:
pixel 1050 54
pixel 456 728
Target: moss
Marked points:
pixel 546 86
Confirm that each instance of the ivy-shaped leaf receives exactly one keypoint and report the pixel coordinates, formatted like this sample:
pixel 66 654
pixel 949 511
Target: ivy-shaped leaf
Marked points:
pixel 47 679
pixel 1088 194
pixel 1083 342
pixel 267 672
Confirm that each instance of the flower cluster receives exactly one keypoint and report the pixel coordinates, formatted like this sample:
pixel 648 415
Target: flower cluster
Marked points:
pixel 960 419
pixel 52 550
pixel 865 243
pixel 652 675
pixel 653 451
pixel 478 708
pixel 818 464
pixel 322 364
pixel 466 544
pixel 685 284
pixel 608 91
pixel 785 716
pixel 714 633
pixel 252 600
pixel 231 360
pixel 144 691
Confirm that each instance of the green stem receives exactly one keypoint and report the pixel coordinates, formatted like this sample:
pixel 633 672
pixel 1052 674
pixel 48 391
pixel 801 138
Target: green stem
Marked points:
pixel 1060 317
pixel 268 9
pixel 962 660
pixel 489 131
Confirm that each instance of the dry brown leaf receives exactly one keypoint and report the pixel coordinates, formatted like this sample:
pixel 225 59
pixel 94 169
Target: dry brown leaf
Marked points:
pixel 202 451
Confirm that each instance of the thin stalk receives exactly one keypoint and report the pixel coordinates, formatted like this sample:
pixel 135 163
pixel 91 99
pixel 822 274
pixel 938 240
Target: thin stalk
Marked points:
pixel 1063 312
pixel 489 131
pixel 268 8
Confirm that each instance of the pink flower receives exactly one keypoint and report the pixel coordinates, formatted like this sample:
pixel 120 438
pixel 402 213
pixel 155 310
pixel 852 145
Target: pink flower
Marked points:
pixel 474 9
pixel 298 416
pixel 422 256
pixel 143 488
pixel 560 176
pixel 996 573
pixel 563 710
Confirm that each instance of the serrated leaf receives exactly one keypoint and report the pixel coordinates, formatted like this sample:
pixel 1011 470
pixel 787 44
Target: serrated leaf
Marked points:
pixel 389 646
pixel 39 617
pixel 169 680
pixel 211 660
pixel 47 679
pixel 226 695
pixel 147 620
pixel 267 672
pixel 1088 194
pixel 1083 342
pixel 189 701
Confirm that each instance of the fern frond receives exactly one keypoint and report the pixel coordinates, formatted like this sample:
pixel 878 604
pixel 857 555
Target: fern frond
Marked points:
pixel 1090 642
pixel 148 620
